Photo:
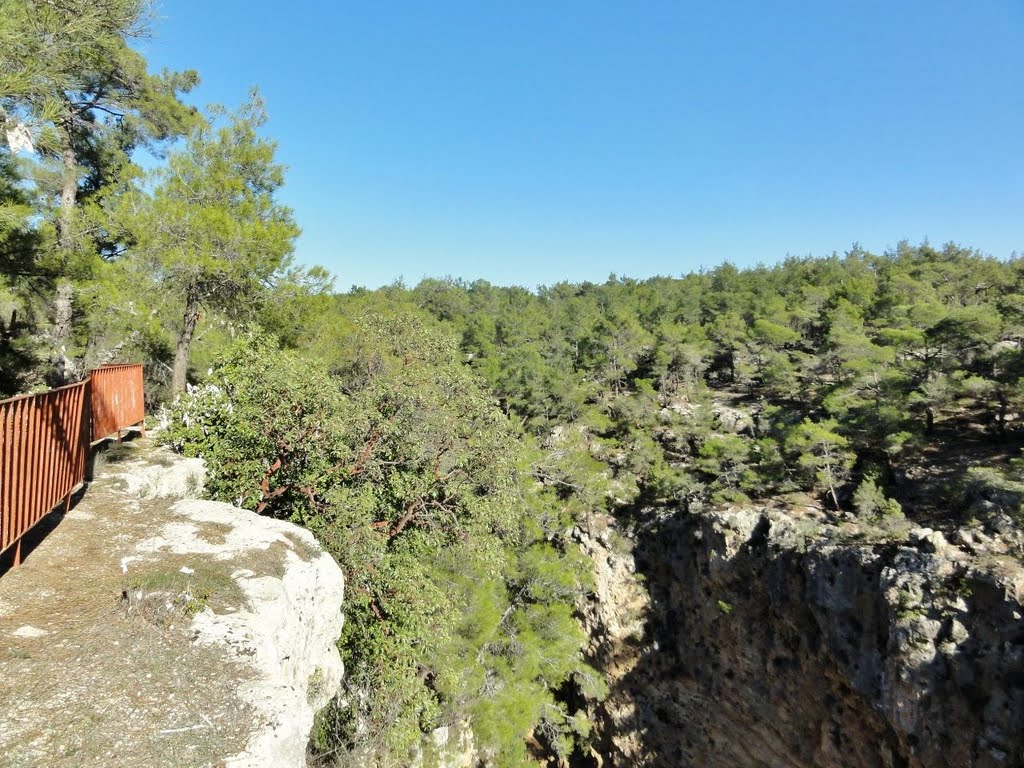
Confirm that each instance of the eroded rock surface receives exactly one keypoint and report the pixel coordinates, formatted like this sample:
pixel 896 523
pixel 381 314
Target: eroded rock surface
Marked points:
pixel 147 630
pixel 291 619
pixel 287 629
pixel 775 639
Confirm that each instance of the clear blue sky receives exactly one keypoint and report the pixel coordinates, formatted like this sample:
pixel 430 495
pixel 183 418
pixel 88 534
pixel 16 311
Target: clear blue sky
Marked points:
pixel 532 141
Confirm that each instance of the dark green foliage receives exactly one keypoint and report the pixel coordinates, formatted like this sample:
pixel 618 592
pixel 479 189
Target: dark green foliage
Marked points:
pixel 458 604
pixel 831 379
pixel 870 501
pixel 839 362
pixel 443 441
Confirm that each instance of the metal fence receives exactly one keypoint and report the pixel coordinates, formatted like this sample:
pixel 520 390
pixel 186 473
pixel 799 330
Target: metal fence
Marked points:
pixel 44 443
pixel 117 400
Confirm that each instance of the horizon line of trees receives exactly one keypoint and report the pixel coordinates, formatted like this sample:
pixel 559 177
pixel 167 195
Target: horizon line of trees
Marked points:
pixel 444 440
pixel 814 375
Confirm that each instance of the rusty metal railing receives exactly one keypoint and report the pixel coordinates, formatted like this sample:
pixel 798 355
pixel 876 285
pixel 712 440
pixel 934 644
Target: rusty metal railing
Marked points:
pixel 117 400
pixel 44 443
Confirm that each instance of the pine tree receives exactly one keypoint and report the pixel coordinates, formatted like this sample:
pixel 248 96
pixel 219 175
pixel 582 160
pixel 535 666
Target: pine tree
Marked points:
pixel 213 230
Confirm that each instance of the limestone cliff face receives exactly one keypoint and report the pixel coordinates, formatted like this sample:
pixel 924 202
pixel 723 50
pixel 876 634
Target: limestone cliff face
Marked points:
pixel 152 629
pixel 285 634
pixel 755 638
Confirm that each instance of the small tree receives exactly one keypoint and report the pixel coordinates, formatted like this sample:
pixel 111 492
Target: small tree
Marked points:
pixel 823 451
pixel 212 229
pixel 870 500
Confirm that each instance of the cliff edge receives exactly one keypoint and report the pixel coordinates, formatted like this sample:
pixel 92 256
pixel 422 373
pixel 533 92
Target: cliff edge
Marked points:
pixel 150 628
pixel 761 637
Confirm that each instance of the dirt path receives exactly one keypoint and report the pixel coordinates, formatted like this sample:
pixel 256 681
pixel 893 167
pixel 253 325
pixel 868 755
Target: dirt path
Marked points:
pixel 86 682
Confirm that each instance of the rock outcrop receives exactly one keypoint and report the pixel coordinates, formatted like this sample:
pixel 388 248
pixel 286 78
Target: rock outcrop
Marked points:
pixel 291 618
pixel 151 630
pixel 757 637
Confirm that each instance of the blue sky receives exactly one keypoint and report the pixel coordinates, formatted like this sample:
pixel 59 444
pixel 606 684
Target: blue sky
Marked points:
pixel 534 141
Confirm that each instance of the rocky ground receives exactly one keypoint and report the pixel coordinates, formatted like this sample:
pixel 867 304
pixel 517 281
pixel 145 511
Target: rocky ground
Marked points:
pixel 776 637
pixel 147 630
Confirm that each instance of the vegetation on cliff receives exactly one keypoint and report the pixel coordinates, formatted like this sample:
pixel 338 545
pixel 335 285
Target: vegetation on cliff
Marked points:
pixel 837 378
pixel 460 586
pixel 864 384
pixel 443 440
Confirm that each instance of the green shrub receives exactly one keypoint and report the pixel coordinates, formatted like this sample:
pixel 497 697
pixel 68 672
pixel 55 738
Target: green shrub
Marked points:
pixel 457 605
pixel 870 500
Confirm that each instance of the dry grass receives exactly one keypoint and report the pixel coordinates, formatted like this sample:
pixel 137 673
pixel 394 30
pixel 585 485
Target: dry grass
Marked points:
pixel 167 592
pixel 215 533
pixel 303 549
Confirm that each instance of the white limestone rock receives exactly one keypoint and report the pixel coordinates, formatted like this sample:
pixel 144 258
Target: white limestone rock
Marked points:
pixel 176 477
pixel 29 631
pixel 286 633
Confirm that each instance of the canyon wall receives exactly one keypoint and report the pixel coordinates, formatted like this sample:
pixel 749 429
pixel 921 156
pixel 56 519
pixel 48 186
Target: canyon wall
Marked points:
pixel 757 637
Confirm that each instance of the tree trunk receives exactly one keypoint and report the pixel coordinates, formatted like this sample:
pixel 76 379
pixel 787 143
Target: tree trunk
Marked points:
pixel 188 329
pixel 68 189
pixel 830 480
pixel 832 493
pixel 64 295
pixel 63 305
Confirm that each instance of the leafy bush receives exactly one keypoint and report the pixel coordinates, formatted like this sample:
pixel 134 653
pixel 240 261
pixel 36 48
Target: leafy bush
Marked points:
pixel 870 500
pixel 457 604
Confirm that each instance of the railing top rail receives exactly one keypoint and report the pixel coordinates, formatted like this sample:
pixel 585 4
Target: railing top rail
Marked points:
pixel 81 383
